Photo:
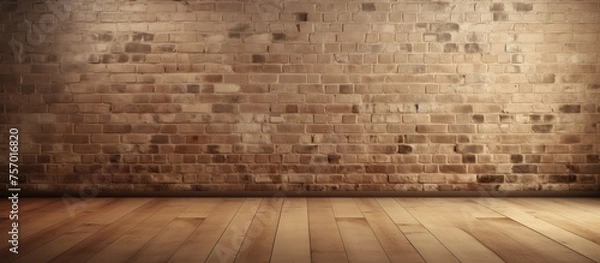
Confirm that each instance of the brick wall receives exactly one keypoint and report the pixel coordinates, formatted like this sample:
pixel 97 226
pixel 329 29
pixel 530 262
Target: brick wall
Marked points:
pixel 325 95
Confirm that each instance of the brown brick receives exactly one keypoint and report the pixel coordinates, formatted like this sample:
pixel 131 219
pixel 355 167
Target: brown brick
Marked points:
pixel 403 179
pixel 499 16
pixel 472 48
pixel 383 149
pixel 546 128
pixel 350 148
pixel 290 128
pixel 558 179
pixel 586 179
pixel 523 7
pixel 319 128
pixel 301 178
pixel 443 139
pixel 334 158
pixel 301 17
pixel 469 158
pixel 481 168
pixel 464 128
pixel 432 128
pixel 159 139
pixel 305 148
pixel 524 168
pixel 219 128
pixel 368 7
pixel 380 169
pixel 285 138
pixel 469 148
pixel 450 48
pixel 404 149
pixel 490 178
pixel 105 138
pixel 348 169
pixel 137 48
pixel 570 139
pixel 77 139
pixel 516 158
pixel 542 78
pixel 453 168
pixel 223 108
pixel 570 108
pixel 117 128
pixel 258 58
pixel 497 7
pixel 593 158
pixel 349 128
pixel 87 149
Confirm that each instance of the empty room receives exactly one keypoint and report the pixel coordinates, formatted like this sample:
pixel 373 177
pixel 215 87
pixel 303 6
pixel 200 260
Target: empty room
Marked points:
pixel 231 131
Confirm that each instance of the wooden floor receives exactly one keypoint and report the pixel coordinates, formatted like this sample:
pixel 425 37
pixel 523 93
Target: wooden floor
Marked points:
pixel 306 230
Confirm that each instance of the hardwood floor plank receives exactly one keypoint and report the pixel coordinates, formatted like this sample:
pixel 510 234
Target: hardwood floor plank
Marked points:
pixel 46 232
pixel 106 216
pixel 56 214
pixel 258 244
pixel 546 248
pixel 460 243
pixel 77 229
pixel 583 230
pixel 428 246
pixel 326 242
pixel 473 219
pixel 26 205
pixel 31 204
pixel 508 249
pixel 395 244
pixel 60 244
pixel 564 238
pixel 586 206
pixel 165 243
pixel 134 239
pixel 292 237
pixel 230 242
pixel 345 208
pixel 91 246
pixel 360 241
pixel 578 206
pixel 201 208
pixel 396 212
pixel 567 219
pixel 200 243
pixel 219 230
pixel 572 210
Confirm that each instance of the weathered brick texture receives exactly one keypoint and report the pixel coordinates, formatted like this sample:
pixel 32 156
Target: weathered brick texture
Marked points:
pixel 295 95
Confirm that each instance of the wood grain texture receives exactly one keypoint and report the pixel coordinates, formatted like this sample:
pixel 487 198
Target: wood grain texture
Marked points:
pixel 201 242
pixel 230 242
pixel 134 239
pixel 258 243
pixel 570 240
pixel 100 240
pixel 434 217
pixel 326 242
pixel 255 230
pixel 396 245
pixel 429 247
pixel 58 224
pixel 292 238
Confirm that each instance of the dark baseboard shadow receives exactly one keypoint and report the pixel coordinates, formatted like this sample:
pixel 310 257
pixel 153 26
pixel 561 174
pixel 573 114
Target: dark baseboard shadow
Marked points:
pixel 483 194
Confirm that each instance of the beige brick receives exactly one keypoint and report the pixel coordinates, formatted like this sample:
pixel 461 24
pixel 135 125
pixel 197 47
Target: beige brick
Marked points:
pixel 353 96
